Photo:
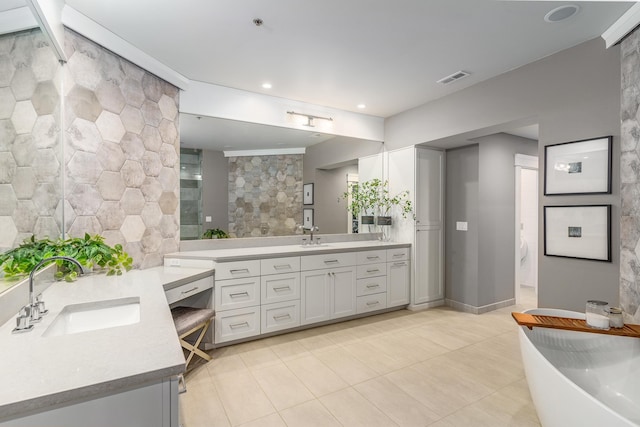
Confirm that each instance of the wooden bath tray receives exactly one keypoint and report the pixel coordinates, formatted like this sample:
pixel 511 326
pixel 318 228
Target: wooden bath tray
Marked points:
pixel 553 322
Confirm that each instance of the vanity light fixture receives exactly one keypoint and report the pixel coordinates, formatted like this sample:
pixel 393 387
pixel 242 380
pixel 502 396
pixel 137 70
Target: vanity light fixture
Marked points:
pixel 310 118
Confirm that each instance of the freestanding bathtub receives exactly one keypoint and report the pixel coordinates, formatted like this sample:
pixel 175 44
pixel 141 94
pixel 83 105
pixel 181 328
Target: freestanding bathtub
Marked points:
pixel 580 378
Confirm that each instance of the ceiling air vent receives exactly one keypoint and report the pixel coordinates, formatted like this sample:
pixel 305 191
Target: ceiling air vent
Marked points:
pixel 453 77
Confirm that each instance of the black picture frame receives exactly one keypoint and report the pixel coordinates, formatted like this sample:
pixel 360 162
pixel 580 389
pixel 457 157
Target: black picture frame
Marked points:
pixel 578 167
pixel 307 218
pixel 307 194
pixel 578 231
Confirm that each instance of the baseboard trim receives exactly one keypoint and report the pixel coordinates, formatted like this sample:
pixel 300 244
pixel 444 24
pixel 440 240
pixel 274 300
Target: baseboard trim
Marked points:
pixel 479 310
pixel 426 305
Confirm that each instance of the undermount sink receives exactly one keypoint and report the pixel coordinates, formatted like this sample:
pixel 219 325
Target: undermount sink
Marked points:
pixel 96 315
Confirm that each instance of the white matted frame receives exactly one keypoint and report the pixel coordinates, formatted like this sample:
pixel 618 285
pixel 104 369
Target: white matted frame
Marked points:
pixel 307 218
pixel 307 194
pixel 578 167
pixel 582 232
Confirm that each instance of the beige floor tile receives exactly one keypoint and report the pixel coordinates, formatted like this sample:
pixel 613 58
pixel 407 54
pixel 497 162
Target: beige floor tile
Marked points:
pixel 226 365
pixel 272 420
pixel 315 375
pixel 351 409
pixel 406 345
pixel 201 406
pixel 317 342
pixel 281 386
pixel 347 366
pixel 309 414
pixel 290 350
pixel 242 397
pixel 259 358
pixel 368 353
pixel 395 403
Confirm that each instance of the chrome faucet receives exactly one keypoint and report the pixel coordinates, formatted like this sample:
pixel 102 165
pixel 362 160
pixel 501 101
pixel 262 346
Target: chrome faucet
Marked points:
pixel 311 230
pixel 33 312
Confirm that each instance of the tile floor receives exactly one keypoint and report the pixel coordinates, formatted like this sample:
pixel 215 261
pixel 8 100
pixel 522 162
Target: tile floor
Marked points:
pixel 437 367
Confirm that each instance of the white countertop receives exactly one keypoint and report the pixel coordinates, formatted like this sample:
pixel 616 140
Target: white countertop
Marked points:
pixel 38 372
pixel 238 254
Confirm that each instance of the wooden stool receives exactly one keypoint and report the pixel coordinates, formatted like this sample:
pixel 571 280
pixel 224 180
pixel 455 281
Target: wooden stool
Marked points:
pixel 189 320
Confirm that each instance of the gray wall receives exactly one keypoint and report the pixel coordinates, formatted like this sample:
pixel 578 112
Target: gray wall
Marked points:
pixel 573 95
pixel 338 151
pixel 330 210
pixel 215 192
pixel 479 264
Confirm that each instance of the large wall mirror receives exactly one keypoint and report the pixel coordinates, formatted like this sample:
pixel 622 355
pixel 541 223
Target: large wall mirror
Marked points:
pixel 260 194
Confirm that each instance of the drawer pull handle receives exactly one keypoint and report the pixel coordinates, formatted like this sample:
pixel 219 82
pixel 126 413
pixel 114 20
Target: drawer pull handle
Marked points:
pixel 282 288
pixel 239 325
pixel 282 267
pixel 331 261
pixel 282 316
pixel 189 291
pixel 239 271
pixel 373 270
pixel 372 285
pixel 398 255
pixel 239 294
pixel 372 303
pixel 373 257
pixel 399 264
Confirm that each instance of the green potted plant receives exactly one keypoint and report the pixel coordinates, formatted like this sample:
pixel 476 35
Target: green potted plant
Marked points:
pixel 90 251
pixel 215 233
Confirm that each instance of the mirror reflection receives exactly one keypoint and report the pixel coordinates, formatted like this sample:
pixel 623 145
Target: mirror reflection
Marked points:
pixel 260 194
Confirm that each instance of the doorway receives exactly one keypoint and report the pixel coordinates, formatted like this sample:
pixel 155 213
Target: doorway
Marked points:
pixel 526 230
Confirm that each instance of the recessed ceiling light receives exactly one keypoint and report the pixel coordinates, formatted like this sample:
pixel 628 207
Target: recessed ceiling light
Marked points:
pixel 361 106
pixel 266 85
pixel 561 13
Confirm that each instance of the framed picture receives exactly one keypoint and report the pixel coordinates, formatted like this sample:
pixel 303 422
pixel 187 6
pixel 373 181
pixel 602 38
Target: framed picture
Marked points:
pixel 307 218
pixel 578 232
pixel 307 194
pixel 579 167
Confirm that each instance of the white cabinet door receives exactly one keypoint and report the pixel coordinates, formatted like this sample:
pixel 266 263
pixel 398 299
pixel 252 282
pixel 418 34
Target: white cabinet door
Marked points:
pixel 429 187
pixel 343 283
pixel 315 296
pixel 398 283
pixel 429 281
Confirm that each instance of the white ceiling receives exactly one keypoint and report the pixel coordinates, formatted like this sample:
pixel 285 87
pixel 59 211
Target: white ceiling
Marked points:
pixel 339 53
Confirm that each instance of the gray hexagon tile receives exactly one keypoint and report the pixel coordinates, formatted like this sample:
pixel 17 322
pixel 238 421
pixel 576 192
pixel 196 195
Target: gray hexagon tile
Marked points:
pixel 9 200
pixel 110 97
pixel 132 146
pixel 44 64
pixel 46 165
pixel 84 135
pixel 168 179
pixel 151 214
pixel 151 189
pixel 168 203
pixel 111 70
pixel 25 216
pixel 151 260
pixel 45 98
pixel 132 119
pixel 7 134
pixel 45 198
pixel 85 199
pixel 151 113
pixel 46 132
pixel 110 185
pixel 132 201
pixel 7 102
pixel 168 155
pixel 65 210
pixel 151 163
pixel 83 103
pixel 132 92
pixel 152 87
pixel 169 226
pixel 110 126
pixel 24 183
pixel 9 233
pixel 23 84
pixel 111 216
pixel 85 70
pixel 133 228
pixel 113 237
pixel 84 167
pixel 7 167
pixel 7 41
pixel 7 70
pixel 23 149
pixel 169 245
pixel 168 108
pixel 132 173
pixel 168 132
pixel 151 138
pixel 110 156
pixel 151 241
pixel 22 52
pixel 85 224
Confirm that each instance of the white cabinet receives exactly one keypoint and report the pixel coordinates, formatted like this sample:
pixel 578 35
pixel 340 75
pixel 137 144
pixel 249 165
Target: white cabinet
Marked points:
pixel 327 294
pixel 280 315
pixel 399 280
pixel 280 287
pixel 235 324
pixel 429 286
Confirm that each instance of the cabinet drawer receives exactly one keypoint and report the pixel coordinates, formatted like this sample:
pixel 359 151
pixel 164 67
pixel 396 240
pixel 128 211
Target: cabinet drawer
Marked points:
pixel 371 285
pixel 279 287
pixel 372 257
pixel 371 270
pixel 281 315
pixel 237 269
pixel 237 293
pixel 371 302
pixel 279 265
pixel 188 289
pixel 235 324
pixel 316 262
pixel 398 254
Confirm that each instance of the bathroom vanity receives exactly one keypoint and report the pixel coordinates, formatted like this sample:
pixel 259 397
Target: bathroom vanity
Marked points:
pixel 260 291
pixel 117 365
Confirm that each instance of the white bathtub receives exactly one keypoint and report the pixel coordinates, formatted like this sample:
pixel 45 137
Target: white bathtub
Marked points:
pixel 581 379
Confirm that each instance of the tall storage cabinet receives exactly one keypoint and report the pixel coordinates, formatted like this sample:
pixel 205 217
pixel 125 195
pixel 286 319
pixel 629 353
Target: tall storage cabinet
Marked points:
pixel 422 172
